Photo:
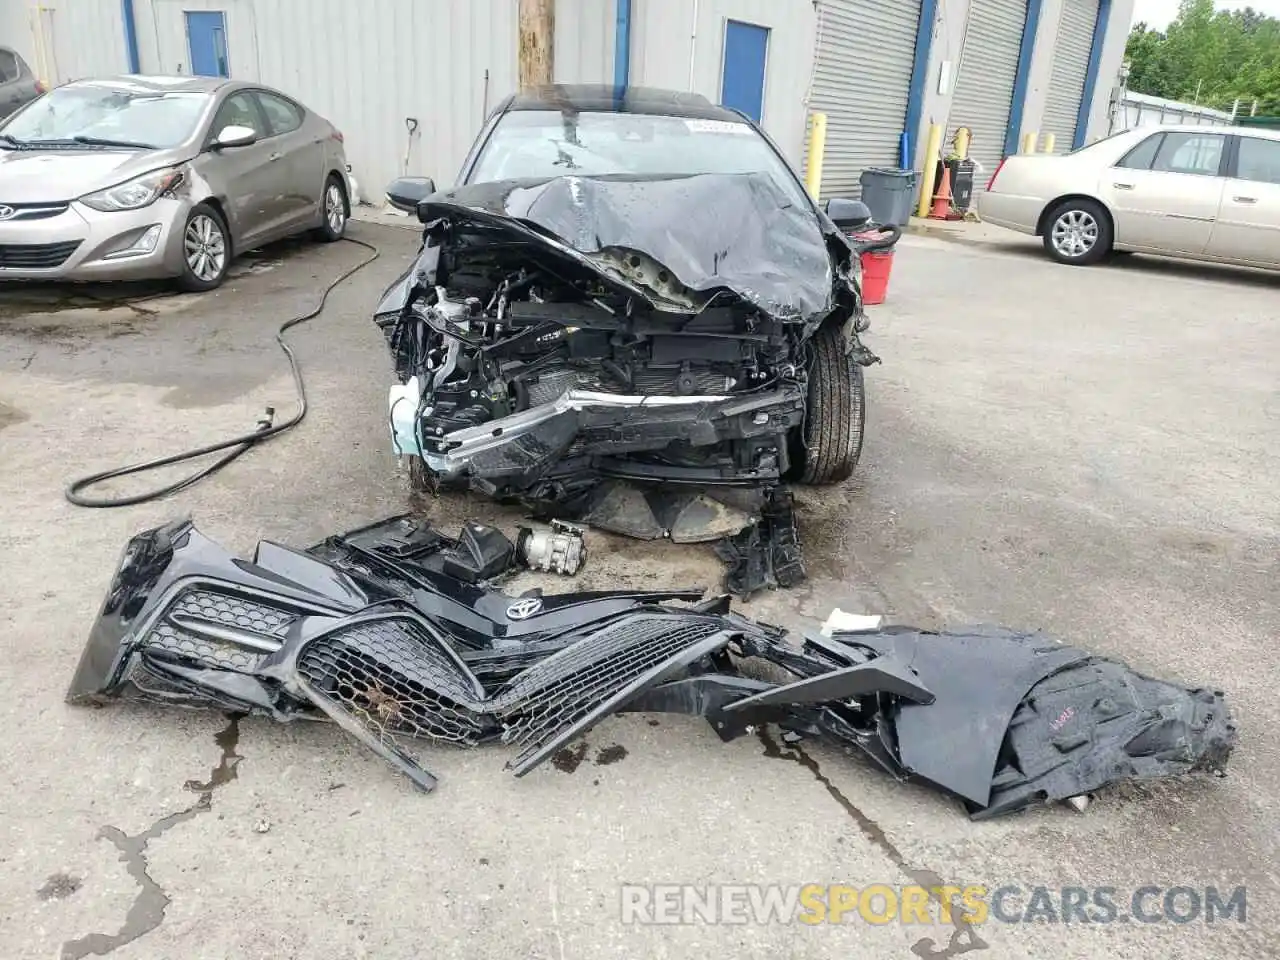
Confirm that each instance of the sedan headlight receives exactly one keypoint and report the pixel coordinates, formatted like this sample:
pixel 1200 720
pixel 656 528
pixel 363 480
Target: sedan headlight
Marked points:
pixel 136 193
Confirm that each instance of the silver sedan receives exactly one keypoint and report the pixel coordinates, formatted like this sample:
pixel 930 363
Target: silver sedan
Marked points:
pixel 154 177
pixel 1205 193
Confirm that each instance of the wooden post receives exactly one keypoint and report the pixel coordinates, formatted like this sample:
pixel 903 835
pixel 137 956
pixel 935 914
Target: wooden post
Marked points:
pixel 537 42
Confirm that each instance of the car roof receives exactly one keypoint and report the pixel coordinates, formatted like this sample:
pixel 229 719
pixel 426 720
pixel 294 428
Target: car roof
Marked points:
pixel 1243 130
pixel 606 98
pixel 156 84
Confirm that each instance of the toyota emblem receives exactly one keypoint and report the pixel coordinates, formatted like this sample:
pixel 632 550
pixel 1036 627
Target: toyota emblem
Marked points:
pixel 524 609
pixel 6 212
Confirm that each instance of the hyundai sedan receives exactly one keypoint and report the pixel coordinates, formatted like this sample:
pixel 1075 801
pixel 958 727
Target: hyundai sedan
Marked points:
pixel 162 177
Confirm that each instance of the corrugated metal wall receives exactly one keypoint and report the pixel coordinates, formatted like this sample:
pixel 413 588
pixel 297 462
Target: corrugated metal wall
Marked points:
pixel 866 49
pixel 1072 46
pixel 984 87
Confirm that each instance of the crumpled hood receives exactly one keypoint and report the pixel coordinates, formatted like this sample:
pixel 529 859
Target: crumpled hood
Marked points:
pixel 712 231
pixel 37 176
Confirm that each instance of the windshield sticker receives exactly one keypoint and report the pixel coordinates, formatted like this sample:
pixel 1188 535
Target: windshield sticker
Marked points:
pixel 716 126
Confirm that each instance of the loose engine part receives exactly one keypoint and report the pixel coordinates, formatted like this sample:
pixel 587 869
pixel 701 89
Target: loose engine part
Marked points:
pixel 560 549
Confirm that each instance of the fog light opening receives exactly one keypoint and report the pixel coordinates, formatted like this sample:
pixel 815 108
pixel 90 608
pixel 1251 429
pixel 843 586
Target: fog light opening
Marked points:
pixel 144 244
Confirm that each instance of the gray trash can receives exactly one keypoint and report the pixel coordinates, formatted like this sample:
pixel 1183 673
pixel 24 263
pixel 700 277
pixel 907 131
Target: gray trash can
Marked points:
pixel 889 194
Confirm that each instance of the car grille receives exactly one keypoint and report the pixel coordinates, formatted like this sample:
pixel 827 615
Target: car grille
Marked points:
pixel 36 256
pixel 396 681
pixel 37 211
pixel 562 690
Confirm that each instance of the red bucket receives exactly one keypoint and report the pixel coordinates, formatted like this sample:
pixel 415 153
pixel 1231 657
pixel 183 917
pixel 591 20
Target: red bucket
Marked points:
pixel 876 268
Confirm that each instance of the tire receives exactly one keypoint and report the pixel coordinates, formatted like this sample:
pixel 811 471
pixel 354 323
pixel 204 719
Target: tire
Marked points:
pixel 1078 232
pixel 205 232
pixel 829 442
pixel 335 209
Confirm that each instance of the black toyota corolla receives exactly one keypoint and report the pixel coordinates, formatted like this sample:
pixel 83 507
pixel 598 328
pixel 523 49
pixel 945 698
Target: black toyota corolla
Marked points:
pixel 629 311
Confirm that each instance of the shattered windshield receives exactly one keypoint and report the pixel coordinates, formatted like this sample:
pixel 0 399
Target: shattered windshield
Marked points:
pixel 544 143
pixel 117 113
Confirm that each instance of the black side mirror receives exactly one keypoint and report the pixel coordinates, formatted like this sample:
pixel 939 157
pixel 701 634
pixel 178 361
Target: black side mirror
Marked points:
pixel 848 215
pixel 407 192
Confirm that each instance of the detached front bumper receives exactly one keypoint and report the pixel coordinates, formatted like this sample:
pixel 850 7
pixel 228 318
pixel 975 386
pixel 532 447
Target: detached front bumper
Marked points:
pixel 391 632
pixel 71 241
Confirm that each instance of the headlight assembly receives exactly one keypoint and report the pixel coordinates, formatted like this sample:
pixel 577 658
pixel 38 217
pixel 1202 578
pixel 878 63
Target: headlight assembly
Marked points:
pixel 136 193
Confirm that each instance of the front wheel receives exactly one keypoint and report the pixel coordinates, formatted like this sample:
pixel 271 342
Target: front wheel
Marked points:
pixel 829 442
pixel 206 249
pixel 1078 232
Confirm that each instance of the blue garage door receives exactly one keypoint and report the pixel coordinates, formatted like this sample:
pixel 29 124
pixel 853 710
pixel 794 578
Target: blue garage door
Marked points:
pixel 207 42
pixel 746 48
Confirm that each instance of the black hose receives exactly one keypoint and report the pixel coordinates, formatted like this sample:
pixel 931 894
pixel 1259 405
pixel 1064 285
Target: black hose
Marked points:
pixel 235 446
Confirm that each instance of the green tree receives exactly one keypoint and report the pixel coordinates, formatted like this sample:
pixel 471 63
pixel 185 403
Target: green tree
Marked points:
pixel 1209 56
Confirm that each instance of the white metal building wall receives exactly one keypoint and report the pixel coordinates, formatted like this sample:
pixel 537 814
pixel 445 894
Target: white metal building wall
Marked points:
pixel 584 41
pixel 15 30
pixel 366 66
pixel 64 40
pixel 861 81
pixel 1070 65
pixel 984 86
pixel 669 47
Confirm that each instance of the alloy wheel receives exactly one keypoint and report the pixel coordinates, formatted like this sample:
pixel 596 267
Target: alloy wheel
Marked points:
pixel 335 212
pixel 1075 233
pixel 205 248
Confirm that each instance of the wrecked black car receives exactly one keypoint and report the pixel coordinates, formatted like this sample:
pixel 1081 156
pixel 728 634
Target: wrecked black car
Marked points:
pixel 399 634
pixel 629 312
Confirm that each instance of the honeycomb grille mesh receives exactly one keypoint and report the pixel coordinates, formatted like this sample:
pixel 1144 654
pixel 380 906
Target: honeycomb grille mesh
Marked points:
pixel 395 681
pixel 219 609
pixel 213 653
pixel 564 688
pixel 399 683
pixel 233 612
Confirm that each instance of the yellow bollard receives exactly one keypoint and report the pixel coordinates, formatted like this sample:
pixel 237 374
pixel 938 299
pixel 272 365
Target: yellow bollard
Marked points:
pixel 817 148
pixel 1028 144
pixel 1049 142
pixel 932 149
pixel 962 138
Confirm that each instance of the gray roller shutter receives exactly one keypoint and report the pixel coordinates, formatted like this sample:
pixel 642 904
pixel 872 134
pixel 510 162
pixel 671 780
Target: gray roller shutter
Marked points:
pixel 984 86
pixel 862 74
pixel 1070 65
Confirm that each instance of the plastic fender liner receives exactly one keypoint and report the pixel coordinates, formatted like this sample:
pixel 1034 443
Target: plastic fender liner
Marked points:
pixel 1099 722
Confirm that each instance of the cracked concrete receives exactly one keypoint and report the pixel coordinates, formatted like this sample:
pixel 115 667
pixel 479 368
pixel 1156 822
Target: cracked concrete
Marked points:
pixel 148 908
pixel 1092 452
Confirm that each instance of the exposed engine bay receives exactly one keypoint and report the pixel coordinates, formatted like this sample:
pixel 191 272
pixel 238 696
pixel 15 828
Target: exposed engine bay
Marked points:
pixel 399 634
pixel 639 355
